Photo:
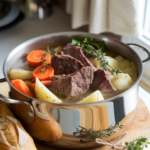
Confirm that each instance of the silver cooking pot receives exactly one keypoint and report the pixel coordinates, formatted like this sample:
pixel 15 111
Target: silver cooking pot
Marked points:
pixel 73 118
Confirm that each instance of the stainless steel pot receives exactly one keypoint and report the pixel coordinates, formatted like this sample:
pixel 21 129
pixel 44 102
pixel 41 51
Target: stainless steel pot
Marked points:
pixel 97 116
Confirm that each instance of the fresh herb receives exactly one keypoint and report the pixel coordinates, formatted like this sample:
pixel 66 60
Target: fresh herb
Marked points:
pixel 137 144
pixel 44 61
pixel 120 125
pixel 85 133
pixel 96 50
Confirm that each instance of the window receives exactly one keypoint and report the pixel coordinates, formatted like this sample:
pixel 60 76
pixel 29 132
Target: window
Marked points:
pixel 146 23
pixel 144 40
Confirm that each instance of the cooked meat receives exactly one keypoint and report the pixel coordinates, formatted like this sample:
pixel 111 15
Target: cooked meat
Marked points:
pixel 102 82
pixel 73 84
pixel 65 64
pixel 69 44
pixel 76 52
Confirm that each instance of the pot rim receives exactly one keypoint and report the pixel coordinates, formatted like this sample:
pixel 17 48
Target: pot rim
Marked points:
pixel 74 33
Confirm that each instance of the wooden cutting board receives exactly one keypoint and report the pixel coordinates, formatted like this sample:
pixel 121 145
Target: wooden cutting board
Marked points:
pixel 140 125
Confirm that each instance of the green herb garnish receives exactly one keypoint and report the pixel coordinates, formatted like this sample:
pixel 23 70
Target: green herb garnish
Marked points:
pixel 44 62
pixel 96 50
pixel 137 144
pixel 85 133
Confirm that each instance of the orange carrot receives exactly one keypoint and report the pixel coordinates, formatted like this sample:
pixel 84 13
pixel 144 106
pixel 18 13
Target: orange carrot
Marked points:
pixel 34 57
pixel 46 83
pixel 21 86
pixel 46 75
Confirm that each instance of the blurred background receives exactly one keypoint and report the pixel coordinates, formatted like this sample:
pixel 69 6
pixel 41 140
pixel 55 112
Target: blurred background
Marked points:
pixel 127 21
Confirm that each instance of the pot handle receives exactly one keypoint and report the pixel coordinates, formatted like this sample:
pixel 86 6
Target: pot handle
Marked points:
pixel 144 49
pixel 7 100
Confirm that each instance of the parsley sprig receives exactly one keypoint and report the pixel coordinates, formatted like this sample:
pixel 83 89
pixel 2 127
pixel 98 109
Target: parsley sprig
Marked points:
pixel 85 133
pixel 137 144
pixel 44 61
pixel 96 50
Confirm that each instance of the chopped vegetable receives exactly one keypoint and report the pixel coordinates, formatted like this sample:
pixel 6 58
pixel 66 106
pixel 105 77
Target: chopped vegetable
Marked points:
pixel 95 63
pixel 58 49
pixel 111 61
pixel 45 94
pixel 122 81
pixel 46 83
pixel 119 58
pixel 35 57
pixel 21 86
pixel 133 66
pixel 124 64
pixel 20 74
pixel 43 75
pixel 94 97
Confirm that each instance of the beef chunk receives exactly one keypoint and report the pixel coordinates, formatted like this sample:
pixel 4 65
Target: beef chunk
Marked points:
pixel 69 44
pixel 73 84
pixel 102 82
pixel 76 52
pixel 65 64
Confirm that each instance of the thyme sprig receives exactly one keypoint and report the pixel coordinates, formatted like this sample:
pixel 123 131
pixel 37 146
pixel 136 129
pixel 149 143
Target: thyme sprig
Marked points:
pixel 96 50
pixel 137 144
pixel 44 61
pixel 85 133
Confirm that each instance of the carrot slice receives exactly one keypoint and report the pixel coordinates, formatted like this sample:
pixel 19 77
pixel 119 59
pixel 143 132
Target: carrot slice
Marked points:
pixel 21 86
pixel 46 75
pixel 46 83
pixel 34 57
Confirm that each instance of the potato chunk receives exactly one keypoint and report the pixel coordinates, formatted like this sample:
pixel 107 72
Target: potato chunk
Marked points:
pixel 122 81
pixel 128 70
pixel 124 64
pixel 20 74
pixel 95 63
pixel 58 49
pixel 133 66
pixel 94 97
pixel 119 58
pixel 112 62
pixel 44 94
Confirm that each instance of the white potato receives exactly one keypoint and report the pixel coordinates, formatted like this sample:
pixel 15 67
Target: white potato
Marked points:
pixel 122 81
pixel 112 62
pixel 58 49
pixel 131 71
pixel 128 70
pixel 111 76
pixel 94 97
pixel 124 64
pixel 95 62
pixel 44 94
pixel 133 66
pixel 119 58
pixel 20 74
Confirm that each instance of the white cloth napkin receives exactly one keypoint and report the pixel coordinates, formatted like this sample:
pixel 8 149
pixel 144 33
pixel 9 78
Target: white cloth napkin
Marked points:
pixel 117 16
